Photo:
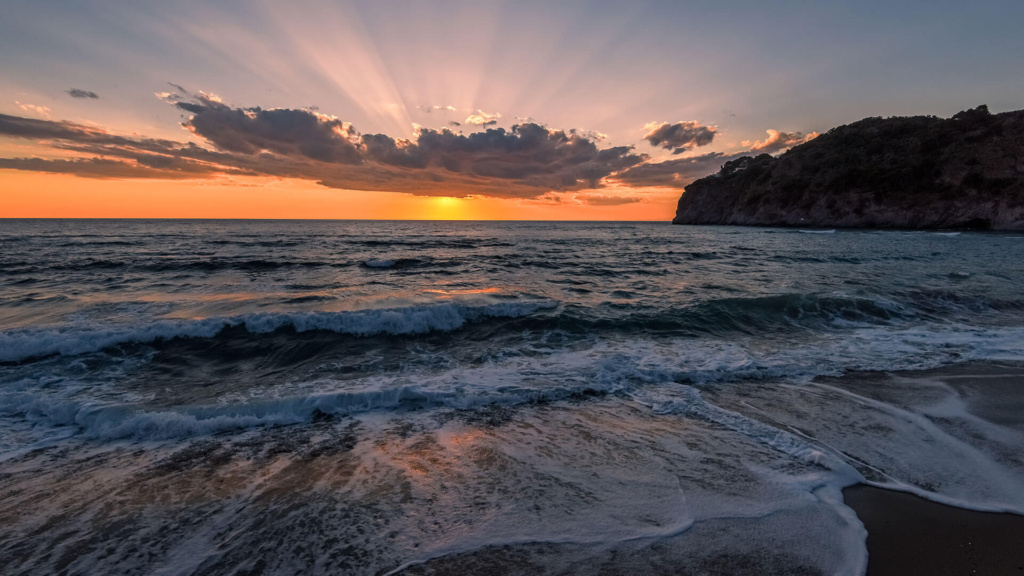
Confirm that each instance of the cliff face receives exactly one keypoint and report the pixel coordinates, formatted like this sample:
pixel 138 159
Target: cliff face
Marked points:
pixel 916 172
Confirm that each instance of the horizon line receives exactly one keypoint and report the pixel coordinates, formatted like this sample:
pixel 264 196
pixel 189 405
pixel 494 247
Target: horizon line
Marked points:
pixel 311 219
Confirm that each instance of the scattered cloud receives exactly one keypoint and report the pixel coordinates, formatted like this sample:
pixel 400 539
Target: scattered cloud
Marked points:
pixel 680 172
pixel 525 161
pixel 454 123
pixel 295 133
pixel 679 137
pixel 549 198
pixel 592 134
pixel 777 141
pixel 429 109
pixel 79 93
pixel 606 199
pixel 34 109
pixel 104 168
pixel 675 173
pixel 480 118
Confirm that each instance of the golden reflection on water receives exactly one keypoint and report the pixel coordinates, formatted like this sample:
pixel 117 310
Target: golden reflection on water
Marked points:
pixel 460 292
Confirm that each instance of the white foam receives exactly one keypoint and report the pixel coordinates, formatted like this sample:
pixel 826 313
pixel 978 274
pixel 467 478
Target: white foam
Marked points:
pixel 112 421
pixel 686 400
pixel 640 482
pixel 962 471
pixel 607 366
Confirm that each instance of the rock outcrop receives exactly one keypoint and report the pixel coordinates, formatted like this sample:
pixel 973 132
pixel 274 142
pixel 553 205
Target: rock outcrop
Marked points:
pixel 903 172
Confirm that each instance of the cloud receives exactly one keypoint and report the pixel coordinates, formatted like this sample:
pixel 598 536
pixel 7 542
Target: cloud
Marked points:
pixel 454 123
pixel 63 133
pixel 480 118
pixel 79 93
pixel 525 161
pixel 38 110
pixel 777 141
pixel 680 172
pixel 679 137
pixel 104 168
pixel 675 173
pixel 546 199
pixel 429 109
pixel 591 134
pixel 302 133
pixel 606 199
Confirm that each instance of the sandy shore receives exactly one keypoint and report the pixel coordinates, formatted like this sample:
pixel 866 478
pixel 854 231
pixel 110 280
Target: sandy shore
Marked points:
pixel 910 535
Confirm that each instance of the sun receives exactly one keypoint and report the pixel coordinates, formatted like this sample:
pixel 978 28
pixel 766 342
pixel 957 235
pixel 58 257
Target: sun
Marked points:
pixel 448 208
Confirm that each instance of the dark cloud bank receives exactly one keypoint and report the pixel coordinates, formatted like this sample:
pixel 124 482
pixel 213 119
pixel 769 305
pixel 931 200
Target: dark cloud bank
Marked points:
pixel 525 161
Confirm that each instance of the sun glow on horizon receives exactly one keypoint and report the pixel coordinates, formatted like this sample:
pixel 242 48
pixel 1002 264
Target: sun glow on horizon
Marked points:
pixel 42 195
pixel 448 208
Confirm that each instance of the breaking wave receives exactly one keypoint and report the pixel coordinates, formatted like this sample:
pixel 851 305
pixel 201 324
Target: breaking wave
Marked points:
pixel 39 342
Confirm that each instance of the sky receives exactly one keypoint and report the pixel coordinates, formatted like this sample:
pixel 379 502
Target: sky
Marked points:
pixel 567 110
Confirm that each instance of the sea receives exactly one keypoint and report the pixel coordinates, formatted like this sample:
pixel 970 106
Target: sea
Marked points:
pixel 433 397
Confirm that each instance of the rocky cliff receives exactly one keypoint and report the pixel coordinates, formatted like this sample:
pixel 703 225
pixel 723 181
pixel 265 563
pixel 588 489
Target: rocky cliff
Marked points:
pixel 914 172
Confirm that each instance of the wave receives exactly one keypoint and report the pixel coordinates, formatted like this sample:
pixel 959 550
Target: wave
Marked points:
pixel 69 340
pixel 211 265
pixel 723 317
pixel 653 372
pixel 745 314
pixel 96 420
pixel 730 316
pixel 467 243
pixel 686 400
pixel 174 265
pixel 401 263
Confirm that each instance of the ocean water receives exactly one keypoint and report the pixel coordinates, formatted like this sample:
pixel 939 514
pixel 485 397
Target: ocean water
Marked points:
pixel 222 397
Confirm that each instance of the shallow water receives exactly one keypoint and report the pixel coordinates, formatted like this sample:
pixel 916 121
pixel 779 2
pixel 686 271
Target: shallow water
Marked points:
pixel 366 396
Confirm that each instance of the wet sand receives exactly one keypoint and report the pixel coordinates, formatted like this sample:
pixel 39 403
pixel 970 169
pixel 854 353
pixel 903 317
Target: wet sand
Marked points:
pixel 910 535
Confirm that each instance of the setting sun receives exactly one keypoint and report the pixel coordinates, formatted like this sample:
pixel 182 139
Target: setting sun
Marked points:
pixel 447 208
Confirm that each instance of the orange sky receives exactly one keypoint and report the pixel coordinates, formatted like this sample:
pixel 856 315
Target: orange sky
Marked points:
pixel 41 195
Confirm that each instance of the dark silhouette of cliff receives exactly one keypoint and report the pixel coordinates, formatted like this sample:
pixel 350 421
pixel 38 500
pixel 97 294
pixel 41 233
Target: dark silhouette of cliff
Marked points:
pixel 902 172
